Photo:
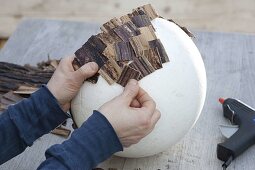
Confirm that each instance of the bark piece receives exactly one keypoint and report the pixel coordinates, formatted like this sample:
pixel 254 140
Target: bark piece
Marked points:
pixel 139 44
pixel 126 31
pixel 61 131
pixel 127 74
pixel 110 71
pixel 25 90
pixel 148 33
pixel 153 57
pixel 12 97
pixel 143 65
pixel 141 20
pixel 156 44
pixel 87 53
pixel 124 51
pixel 125 19
pixel 150 12
pixel 96 43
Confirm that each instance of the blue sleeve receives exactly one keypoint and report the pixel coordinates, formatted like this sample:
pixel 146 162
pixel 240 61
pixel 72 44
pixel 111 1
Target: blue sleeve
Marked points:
pixel 92 143
pixel 21 124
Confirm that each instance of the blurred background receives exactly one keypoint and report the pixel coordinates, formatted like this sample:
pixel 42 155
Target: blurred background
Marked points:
pixel 208 15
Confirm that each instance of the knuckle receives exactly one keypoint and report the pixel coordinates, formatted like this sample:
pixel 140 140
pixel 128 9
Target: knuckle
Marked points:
pixel 158 113
pixel 153 103
pixel 145 121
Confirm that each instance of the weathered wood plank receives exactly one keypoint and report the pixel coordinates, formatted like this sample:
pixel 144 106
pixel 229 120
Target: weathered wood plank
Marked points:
pixel 220 15
pixel 229 61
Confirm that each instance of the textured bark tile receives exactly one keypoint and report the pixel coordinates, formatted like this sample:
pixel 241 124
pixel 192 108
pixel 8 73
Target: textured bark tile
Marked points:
pixel 116 22
pixel 110 71
pixel 106 38
pixel 141 20
pixel 161 50
pixel 124 51
pixel 126 31
pixel 153 57
pixel 108 26
pixel 96 43
pixel 143 65
pixel 125 19
pixel 139 44
pixel 148 33
pixel 109 52
pixel 127 74
pixel 151 13
pixel 88 54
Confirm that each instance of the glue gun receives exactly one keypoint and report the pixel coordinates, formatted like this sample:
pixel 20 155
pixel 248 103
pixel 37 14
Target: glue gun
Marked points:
pixel 242 135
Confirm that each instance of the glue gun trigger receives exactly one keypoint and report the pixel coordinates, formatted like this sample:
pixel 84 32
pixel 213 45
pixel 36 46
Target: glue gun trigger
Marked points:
pixel 228 130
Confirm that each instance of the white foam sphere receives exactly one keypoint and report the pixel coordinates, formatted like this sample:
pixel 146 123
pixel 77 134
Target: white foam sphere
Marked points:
pixel 179 90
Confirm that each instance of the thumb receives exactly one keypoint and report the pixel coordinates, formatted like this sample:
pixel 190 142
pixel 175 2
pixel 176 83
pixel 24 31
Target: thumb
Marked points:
pixel 87 70
pixel 130 91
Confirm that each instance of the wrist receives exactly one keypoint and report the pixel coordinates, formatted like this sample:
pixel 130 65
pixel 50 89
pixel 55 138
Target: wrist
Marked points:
pixel 64 106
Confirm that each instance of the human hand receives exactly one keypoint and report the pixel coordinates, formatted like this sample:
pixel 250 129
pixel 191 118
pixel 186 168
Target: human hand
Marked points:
pixel 65 82
pixel 132 114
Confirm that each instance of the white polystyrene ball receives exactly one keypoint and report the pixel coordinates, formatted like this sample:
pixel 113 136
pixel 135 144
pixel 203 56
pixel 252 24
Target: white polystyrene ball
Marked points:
pixel 179 89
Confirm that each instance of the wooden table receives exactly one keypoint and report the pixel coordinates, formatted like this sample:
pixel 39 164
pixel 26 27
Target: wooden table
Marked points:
pixel 229 60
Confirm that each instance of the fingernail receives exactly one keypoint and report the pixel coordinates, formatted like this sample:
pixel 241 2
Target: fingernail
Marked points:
pixel 93 66
pixel 132 82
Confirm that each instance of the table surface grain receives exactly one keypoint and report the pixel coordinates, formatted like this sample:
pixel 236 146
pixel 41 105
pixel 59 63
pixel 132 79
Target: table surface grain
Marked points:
pixel 229 60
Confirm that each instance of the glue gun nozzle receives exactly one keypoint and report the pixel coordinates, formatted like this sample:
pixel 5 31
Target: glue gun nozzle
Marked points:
pixel 221 100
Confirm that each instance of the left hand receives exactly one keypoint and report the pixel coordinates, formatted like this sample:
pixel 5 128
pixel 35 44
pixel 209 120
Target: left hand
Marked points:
pixel 65 82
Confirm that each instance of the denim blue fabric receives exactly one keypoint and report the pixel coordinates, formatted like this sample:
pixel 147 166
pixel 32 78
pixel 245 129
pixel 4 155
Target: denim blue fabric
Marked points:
pixel 21 124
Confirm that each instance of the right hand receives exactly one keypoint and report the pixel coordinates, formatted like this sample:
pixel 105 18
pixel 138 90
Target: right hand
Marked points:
pixel 132 114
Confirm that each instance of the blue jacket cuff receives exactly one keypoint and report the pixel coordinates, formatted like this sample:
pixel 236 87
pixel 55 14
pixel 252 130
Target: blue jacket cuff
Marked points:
pixel 37 115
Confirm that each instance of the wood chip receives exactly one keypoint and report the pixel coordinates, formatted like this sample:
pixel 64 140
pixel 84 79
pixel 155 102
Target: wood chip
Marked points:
pixel 127 74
